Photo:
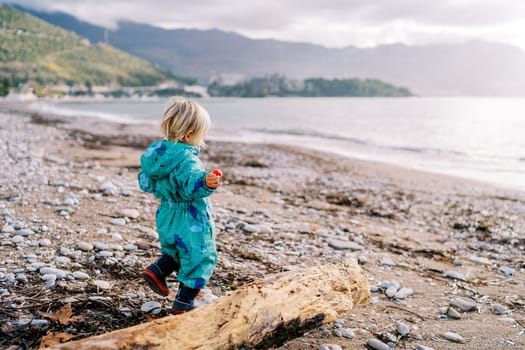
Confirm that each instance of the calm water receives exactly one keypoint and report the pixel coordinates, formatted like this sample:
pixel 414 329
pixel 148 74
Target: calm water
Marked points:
pixel 479 138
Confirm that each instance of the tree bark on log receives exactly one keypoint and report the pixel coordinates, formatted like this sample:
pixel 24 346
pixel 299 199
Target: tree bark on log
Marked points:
pixel 258 315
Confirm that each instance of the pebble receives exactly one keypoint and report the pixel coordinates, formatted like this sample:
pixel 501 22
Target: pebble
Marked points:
pixel 59 274
pixel 247 228
pixel 84 246
pixel 452 313
pixel 79 275
pixel 101 284
pixel 391 291
pixel 118 221
pixel 24 232
pixel 44 242
pixel 49 279
pixel 17 239
pixel 422 347
pixel 373 289
pixel 455 275
pixel 386 261
pixel 100 245
pixel 509 271
pixel 153 307
pixel 362 260
pixel 108 188
pixel 338 244
pixel 329 347
pixel 265 229
pixel 377 344
pixel 454 337
pixel 499 309
pixel 62 260
pixel 403 293
pixel 402 329
pixel 464 304
pixel 22 277
pixel 344 333
pixel 129 213
pixel 8 229
pixel 130 247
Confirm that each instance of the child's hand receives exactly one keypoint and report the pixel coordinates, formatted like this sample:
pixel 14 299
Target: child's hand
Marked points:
pixel 213 179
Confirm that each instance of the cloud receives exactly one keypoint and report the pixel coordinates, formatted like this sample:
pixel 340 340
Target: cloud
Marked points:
pixel 327 22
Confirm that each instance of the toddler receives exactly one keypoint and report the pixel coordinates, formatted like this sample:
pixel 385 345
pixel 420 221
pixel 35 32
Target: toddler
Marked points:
pixel 172 171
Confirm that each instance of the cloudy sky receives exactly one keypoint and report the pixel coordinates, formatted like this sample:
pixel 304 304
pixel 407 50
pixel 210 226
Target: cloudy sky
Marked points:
pixel 332 23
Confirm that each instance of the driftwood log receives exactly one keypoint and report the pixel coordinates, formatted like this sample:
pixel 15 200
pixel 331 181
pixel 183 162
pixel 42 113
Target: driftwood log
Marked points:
pixel 258 315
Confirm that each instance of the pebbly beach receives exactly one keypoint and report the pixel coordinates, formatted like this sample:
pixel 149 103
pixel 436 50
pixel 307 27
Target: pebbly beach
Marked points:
pixel 444 256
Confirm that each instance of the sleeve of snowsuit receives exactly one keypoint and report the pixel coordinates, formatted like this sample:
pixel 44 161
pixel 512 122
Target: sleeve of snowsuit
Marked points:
pixel 190 180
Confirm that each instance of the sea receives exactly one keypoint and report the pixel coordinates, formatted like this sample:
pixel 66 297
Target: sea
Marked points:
pixel 470 137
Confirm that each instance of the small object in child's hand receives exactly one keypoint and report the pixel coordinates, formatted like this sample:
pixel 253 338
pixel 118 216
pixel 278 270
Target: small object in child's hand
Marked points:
pixel 216 172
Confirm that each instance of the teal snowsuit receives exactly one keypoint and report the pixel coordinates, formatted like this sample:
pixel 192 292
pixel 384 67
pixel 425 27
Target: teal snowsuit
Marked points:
pixel 174 174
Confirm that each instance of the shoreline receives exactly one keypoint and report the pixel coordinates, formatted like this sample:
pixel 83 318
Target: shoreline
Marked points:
pixel 70 202
pixel 141 128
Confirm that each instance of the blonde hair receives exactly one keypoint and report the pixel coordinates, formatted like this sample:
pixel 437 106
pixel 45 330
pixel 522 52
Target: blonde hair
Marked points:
pixel 183 115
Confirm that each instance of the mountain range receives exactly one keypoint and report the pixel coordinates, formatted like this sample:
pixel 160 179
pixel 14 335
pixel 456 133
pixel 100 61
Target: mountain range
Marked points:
pixel 474 68
pixel 32 50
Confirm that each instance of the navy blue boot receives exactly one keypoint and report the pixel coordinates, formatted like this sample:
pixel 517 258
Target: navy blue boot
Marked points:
pixel 155 274
pixel 184 300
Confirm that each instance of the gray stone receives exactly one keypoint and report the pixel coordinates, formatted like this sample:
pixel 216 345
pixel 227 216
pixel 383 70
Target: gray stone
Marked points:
pixel 386 261
pixel 17 239
pixel 8 229
pixel 422 347
pixel 507 270
pixel 101 284
pixel 402 329
pixel 59 274
pixel 377 344
pixel 44 242
pixel 247 228
pixel 388 284
pixel 49 279
pixel 100 245
pixel 153 307
pixel 79 275
pixel 338 244
pixel 362 260
pixel 129 213
pixel 391 291
pixel 62 260
pixel 403 293
pixel 118 221
pixel 130 247
pixel 452 313
pixel 21 277
pixel 39 323
pixel 265 229
pixel 329 347
pixel 499 309
pixel 105 253
pixel 454 337
pixel 24 232
pixel 455 275
pixel 84 246
pixel 108 188
pixel 347 333
pixel 464 304
pixel 374 288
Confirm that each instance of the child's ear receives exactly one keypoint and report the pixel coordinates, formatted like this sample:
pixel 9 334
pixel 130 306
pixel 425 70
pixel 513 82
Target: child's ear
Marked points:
pixel 188 135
